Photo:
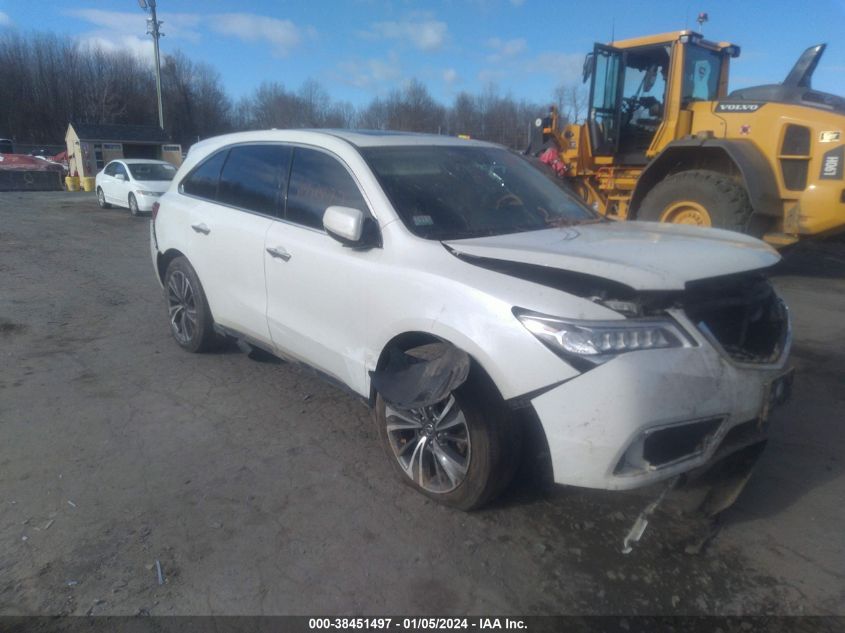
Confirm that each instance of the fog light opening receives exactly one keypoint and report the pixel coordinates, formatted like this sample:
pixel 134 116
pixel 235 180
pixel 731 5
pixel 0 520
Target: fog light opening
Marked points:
pixel 661 447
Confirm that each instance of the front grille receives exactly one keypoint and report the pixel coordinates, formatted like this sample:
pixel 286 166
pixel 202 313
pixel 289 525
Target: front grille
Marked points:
pixel 742 313
pixel 795 157
pixel 796 141
pixel 794 172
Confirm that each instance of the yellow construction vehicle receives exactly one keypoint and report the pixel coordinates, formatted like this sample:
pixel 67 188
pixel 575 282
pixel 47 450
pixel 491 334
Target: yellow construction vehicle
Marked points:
pixel 665 141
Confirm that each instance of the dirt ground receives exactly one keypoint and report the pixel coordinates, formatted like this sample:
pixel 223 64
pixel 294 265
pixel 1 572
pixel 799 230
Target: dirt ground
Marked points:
pixel 260 489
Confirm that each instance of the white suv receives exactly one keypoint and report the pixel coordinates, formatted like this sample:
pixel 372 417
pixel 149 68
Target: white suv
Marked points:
pixel 451 284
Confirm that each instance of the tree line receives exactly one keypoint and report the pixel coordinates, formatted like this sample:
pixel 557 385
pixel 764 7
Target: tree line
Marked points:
pixel 48 80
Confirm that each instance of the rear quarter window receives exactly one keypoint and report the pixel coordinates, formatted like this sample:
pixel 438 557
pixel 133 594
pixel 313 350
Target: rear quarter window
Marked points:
pixel 202 181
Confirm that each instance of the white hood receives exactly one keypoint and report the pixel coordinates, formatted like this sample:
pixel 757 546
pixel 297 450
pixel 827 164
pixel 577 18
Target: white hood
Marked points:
pixel 642 255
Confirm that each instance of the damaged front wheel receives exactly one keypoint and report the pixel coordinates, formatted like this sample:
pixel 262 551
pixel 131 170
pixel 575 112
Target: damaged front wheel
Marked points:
pixel 455 451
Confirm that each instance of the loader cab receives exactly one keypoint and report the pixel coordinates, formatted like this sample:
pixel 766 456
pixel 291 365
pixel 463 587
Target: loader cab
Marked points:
pixel 639 86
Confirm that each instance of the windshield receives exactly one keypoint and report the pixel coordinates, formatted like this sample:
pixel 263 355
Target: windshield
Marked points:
pixel 152 171
pixel 447 192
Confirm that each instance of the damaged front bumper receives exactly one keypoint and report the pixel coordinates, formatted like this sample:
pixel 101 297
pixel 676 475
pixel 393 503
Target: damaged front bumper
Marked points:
pixel 647 416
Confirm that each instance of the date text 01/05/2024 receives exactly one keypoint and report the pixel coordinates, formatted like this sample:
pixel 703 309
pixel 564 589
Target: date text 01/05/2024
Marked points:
pixel 412 624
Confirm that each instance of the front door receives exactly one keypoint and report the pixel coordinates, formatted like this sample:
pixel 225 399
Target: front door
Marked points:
pixel 117 190
pixel 605 100
pixel 316 288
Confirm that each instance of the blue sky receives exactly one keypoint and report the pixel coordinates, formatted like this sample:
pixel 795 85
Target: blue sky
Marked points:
pixel 361 48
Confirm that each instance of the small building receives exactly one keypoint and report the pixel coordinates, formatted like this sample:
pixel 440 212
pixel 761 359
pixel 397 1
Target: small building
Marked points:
pixel 90 146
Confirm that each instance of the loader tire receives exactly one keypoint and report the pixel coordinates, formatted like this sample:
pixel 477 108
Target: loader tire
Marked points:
pixel 698 197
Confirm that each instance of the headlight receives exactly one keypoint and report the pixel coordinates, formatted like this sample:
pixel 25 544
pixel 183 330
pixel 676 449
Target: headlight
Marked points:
pixel 149 193
pixel 599 340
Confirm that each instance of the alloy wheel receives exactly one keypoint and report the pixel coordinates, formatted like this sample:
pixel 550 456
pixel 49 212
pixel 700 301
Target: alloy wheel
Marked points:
pixel 432 444
pixel 181 305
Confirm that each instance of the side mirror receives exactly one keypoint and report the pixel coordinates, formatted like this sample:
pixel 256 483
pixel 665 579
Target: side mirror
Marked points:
pixel 120 177
pixel 351 227
pixel 587 70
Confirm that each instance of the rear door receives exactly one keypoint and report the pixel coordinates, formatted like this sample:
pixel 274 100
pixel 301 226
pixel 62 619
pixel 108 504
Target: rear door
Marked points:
pixel 605 114
pixel 229 220
pixel 317 288
pixel 107 181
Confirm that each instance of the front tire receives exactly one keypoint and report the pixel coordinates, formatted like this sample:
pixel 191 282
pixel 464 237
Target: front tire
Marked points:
pixel 101 199
pixel 460 452
pixel 191 323
pixel 699 197
pixel 133 205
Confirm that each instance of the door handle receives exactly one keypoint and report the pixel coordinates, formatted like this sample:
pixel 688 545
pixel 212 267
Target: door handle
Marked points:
pixel 279 253
pixel 201 228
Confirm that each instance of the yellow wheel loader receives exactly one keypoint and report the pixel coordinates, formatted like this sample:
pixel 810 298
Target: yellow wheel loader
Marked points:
pixel 665 141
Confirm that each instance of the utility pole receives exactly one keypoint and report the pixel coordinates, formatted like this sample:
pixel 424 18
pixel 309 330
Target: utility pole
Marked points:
pixel 153 25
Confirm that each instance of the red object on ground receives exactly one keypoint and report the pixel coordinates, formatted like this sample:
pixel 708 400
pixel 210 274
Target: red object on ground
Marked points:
pixel 22 162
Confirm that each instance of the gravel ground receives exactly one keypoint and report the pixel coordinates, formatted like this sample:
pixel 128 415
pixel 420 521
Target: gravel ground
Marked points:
pixel 260 489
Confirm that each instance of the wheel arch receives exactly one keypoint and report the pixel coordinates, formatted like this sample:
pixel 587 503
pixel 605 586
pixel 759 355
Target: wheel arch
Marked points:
pixel 738 158
pixel 415 338
pixel 163 261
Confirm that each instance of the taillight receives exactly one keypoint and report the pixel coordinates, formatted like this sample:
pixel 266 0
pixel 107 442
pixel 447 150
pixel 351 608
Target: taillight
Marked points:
pixel 156 205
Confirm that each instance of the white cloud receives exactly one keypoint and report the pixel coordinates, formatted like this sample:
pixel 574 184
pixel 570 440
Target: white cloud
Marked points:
pixel 116 24
pixel 142 48
pixel 450 76
pixel 562 67
pixel 282 35
pixel 5 20
pixel 125 30
pixel 422 32
pixel 505 49
pixel 372 73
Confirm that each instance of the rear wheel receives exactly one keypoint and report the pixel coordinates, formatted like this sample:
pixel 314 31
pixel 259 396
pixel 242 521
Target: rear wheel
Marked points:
pixel 133 205
pixel 101 199
pixel 699 197
pixel 190 318
pixel 461 452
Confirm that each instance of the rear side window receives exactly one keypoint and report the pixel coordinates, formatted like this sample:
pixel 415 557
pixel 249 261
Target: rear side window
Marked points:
pixel 319 181
pixel 253 176
pixel 202 182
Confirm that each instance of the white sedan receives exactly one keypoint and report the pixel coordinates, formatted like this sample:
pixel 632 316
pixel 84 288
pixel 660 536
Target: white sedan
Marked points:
pixel 133 183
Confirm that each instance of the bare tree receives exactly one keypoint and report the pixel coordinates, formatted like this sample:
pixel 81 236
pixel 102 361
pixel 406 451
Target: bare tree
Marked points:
pixel 571 101
pixel 47 80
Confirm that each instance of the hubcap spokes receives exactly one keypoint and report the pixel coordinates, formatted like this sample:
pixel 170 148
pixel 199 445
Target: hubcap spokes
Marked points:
pixel 686 212
pixel 432 444
pixel 181 307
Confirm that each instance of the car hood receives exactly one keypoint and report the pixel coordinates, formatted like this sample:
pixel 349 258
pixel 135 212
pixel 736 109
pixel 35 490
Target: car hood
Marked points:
pixel 642 255
pixel 153 185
